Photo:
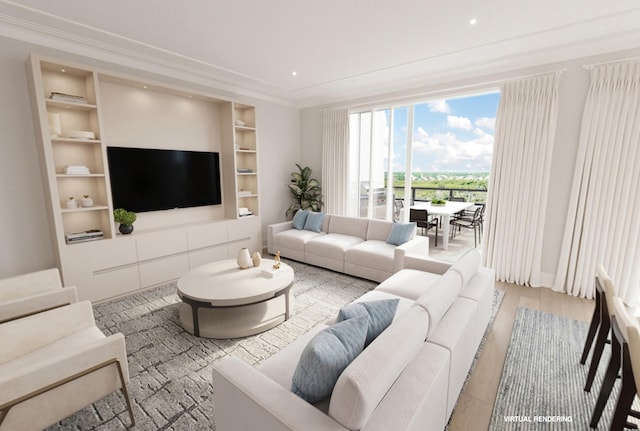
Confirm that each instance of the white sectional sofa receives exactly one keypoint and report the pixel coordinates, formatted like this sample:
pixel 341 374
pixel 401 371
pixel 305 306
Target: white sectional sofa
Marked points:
pixel 408 378
pixel 351 245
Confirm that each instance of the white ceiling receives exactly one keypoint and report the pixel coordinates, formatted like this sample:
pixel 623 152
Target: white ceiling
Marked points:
pixel 341 48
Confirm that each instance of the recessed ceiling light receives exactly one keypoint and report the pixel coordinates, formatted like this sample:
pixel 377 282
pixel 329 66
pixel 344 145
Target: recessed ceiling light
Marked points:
pixel 294 73
pixel 473 21
pixel 63 70
pixel 145 87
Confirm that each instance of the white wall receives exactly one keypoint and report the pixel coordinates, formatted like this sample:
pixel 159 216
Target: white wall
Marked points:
pixel 573 89
pixel 25 243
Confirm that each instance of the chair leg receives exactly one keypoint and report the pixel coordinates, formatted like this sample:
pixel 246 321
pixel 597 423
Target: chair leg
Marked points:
pixel 436 234
pixel 593 327
pixel 623 406
pixel 607 383
pixel 125 394
pixel 601 339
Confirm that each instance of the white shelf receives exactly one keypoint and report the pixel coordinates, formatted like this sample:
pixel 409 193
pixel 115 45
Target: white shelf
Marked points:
pixel 81 209
pixel 70 105
pixel 80 176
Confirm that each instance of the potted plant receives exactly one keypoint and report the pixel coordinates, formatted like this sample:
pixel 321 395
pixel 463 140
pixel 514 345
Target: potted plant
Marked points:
pixel 305 190
pixel 126 219
pixel 438 202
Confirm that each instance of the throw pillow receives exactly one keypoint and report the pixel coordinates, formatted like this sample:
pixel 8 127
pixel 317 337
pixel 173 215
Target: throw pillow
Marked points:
pixel 401 233
pixel 380 314
pixel 326 356
pixel 314 222
pixel 300 218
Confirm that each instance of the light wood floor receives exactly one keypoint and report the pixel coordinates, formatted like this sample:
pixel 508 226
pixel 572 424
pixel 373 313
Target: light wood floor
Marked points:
pixel 473 412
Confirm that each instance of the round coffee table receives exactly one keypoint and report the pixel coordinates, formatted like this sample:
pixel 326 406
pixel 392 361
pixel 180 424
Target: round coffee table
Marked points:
pixel 221 300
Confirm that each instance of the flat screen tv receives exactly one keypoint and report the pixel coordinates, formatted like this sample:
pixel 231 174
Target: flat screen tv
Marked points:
pixel 145 179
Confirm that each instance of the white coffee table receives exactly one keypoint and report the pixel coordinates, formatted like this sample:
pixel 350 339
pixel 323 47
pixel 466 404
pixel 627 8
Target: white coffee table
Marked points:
pixel 224 301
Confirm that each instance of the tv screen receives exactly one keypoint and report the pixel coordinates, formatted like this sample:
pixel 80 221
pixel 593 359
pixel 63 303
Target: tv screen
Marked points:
pixel 144 179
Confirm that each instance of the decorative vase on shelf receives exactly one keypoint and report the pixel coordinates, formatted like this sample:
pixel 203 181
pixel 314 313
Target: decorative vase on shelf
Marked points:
pixel 71 203
pixel 86 201
pixel 257 259
pixel 125 229
pixel 244 258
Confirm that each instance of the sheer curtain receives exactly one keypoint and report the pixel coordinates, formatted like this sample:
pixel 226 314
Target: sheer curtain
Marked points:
pixel 518 185
pixel 602 222
pixel 335 160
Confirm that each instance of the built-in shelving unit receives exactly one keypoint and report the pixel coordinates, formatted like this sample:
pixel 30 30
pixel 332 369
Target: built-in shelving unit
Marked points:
pixel 75 126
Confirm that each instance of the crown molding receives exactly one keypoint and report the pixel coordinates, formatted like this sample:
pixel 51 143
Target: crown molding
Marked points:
pixel 38 28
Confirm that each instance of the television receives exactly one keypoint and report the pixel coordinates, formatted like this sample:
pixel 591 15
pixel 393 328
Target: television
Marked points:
pixel 147 179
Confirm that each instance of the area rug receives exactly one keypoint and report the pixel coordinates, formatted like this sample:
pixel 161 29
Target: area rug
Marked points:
pixel 171 370
pixel 542 381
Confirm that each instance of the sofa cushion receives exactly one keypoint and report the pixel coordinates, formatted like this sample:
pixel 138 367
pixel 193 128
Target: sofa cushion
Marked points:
pixel 294 239
pixel 378 230
pixel 467 265
pixel 401 233
pixel 314 221
pixel 331 245
pixel 325 357
pixel 367 379
pixel 372 254
pixel 299 219
pixel 380 314
pixel 350 226
pixel 409 283
pixel 439 298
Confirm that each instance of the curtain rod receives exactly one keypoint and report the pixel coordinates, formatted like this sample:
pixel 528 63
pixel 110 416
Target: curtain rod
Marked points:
pixel 419 97
pixel 590 66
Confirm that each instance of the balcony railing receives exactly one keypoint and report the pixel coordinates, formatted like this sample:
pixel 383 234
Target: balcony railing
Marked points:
pixel 429 193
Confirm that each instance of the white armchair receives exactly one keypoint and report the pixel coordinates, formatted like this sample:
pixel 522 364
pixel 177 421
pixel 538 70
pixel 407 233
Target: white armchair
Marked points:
pixel 54 363
pixel 34 292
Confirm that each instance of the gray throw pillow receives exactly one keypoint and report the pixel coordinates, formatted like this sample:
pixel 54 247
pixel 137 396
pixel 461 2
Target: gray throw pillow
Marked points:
pixel 401 233
pixel 326 356
pixel 380 315
pixel 314 221
pixel 300 218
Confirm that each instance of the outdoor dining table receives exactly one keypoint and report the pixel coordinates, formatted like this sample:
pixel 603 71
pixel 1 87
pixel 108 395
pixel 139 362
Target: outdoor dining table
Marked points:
pixel 445 211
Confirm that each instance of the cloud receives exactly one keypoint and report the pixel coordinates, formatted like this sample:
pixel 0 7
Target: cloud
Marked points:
pixel 439 106
pixel 447 152
pixel 486 123
pixel 459 122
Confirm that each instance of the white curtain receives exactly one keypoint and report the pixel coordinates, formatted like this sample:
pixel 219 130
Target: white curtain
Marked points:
pixel 335 160
pixel 518 185
pixel 602 224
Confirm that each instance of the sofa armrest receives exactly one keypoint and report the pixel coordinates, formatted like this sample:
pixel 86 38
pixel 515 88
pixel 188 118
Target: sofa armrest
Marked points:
pixel 274 229
pixel 247 400
pixel 22 378
pixel 426 264
pixel 21 336
pixel 43 301
pixel 417 246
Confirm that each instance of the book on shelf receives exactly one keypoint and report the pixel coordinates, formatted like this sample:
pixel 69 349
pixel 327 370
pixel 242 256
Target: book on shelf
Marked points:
pixel 77 170
pixel 245 170
pixel 89 235
pixel 62 97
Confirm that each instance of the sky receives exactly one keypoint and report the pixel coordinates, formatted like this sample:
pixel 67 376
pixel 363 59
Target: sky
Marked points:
pixel 452 135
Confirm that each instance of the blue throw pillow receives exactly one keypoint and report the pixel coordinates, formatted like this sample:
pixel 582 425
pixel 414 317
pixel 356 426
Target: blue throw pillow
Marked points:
pixel 380 314
pixel 314 221
pixel 326 356
pixel 300 218
pixel 401 233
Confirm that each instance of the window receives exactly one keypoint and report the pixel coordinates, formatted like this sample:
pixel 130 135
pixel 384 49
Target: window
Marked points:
pixel 420 151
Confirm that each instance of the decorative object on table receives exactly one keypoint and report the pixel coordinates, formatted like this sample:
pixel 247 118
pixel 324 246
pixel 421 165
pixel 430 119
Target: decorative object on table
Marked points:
pixel 126 219
pixel 305 190
pixel 77 170
pixel 54 124
pixel 71 203
pixel 257 259
pixel 244 259
pixel 86 201
pixel 438 202
pixel 240 123
pixel 276 265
